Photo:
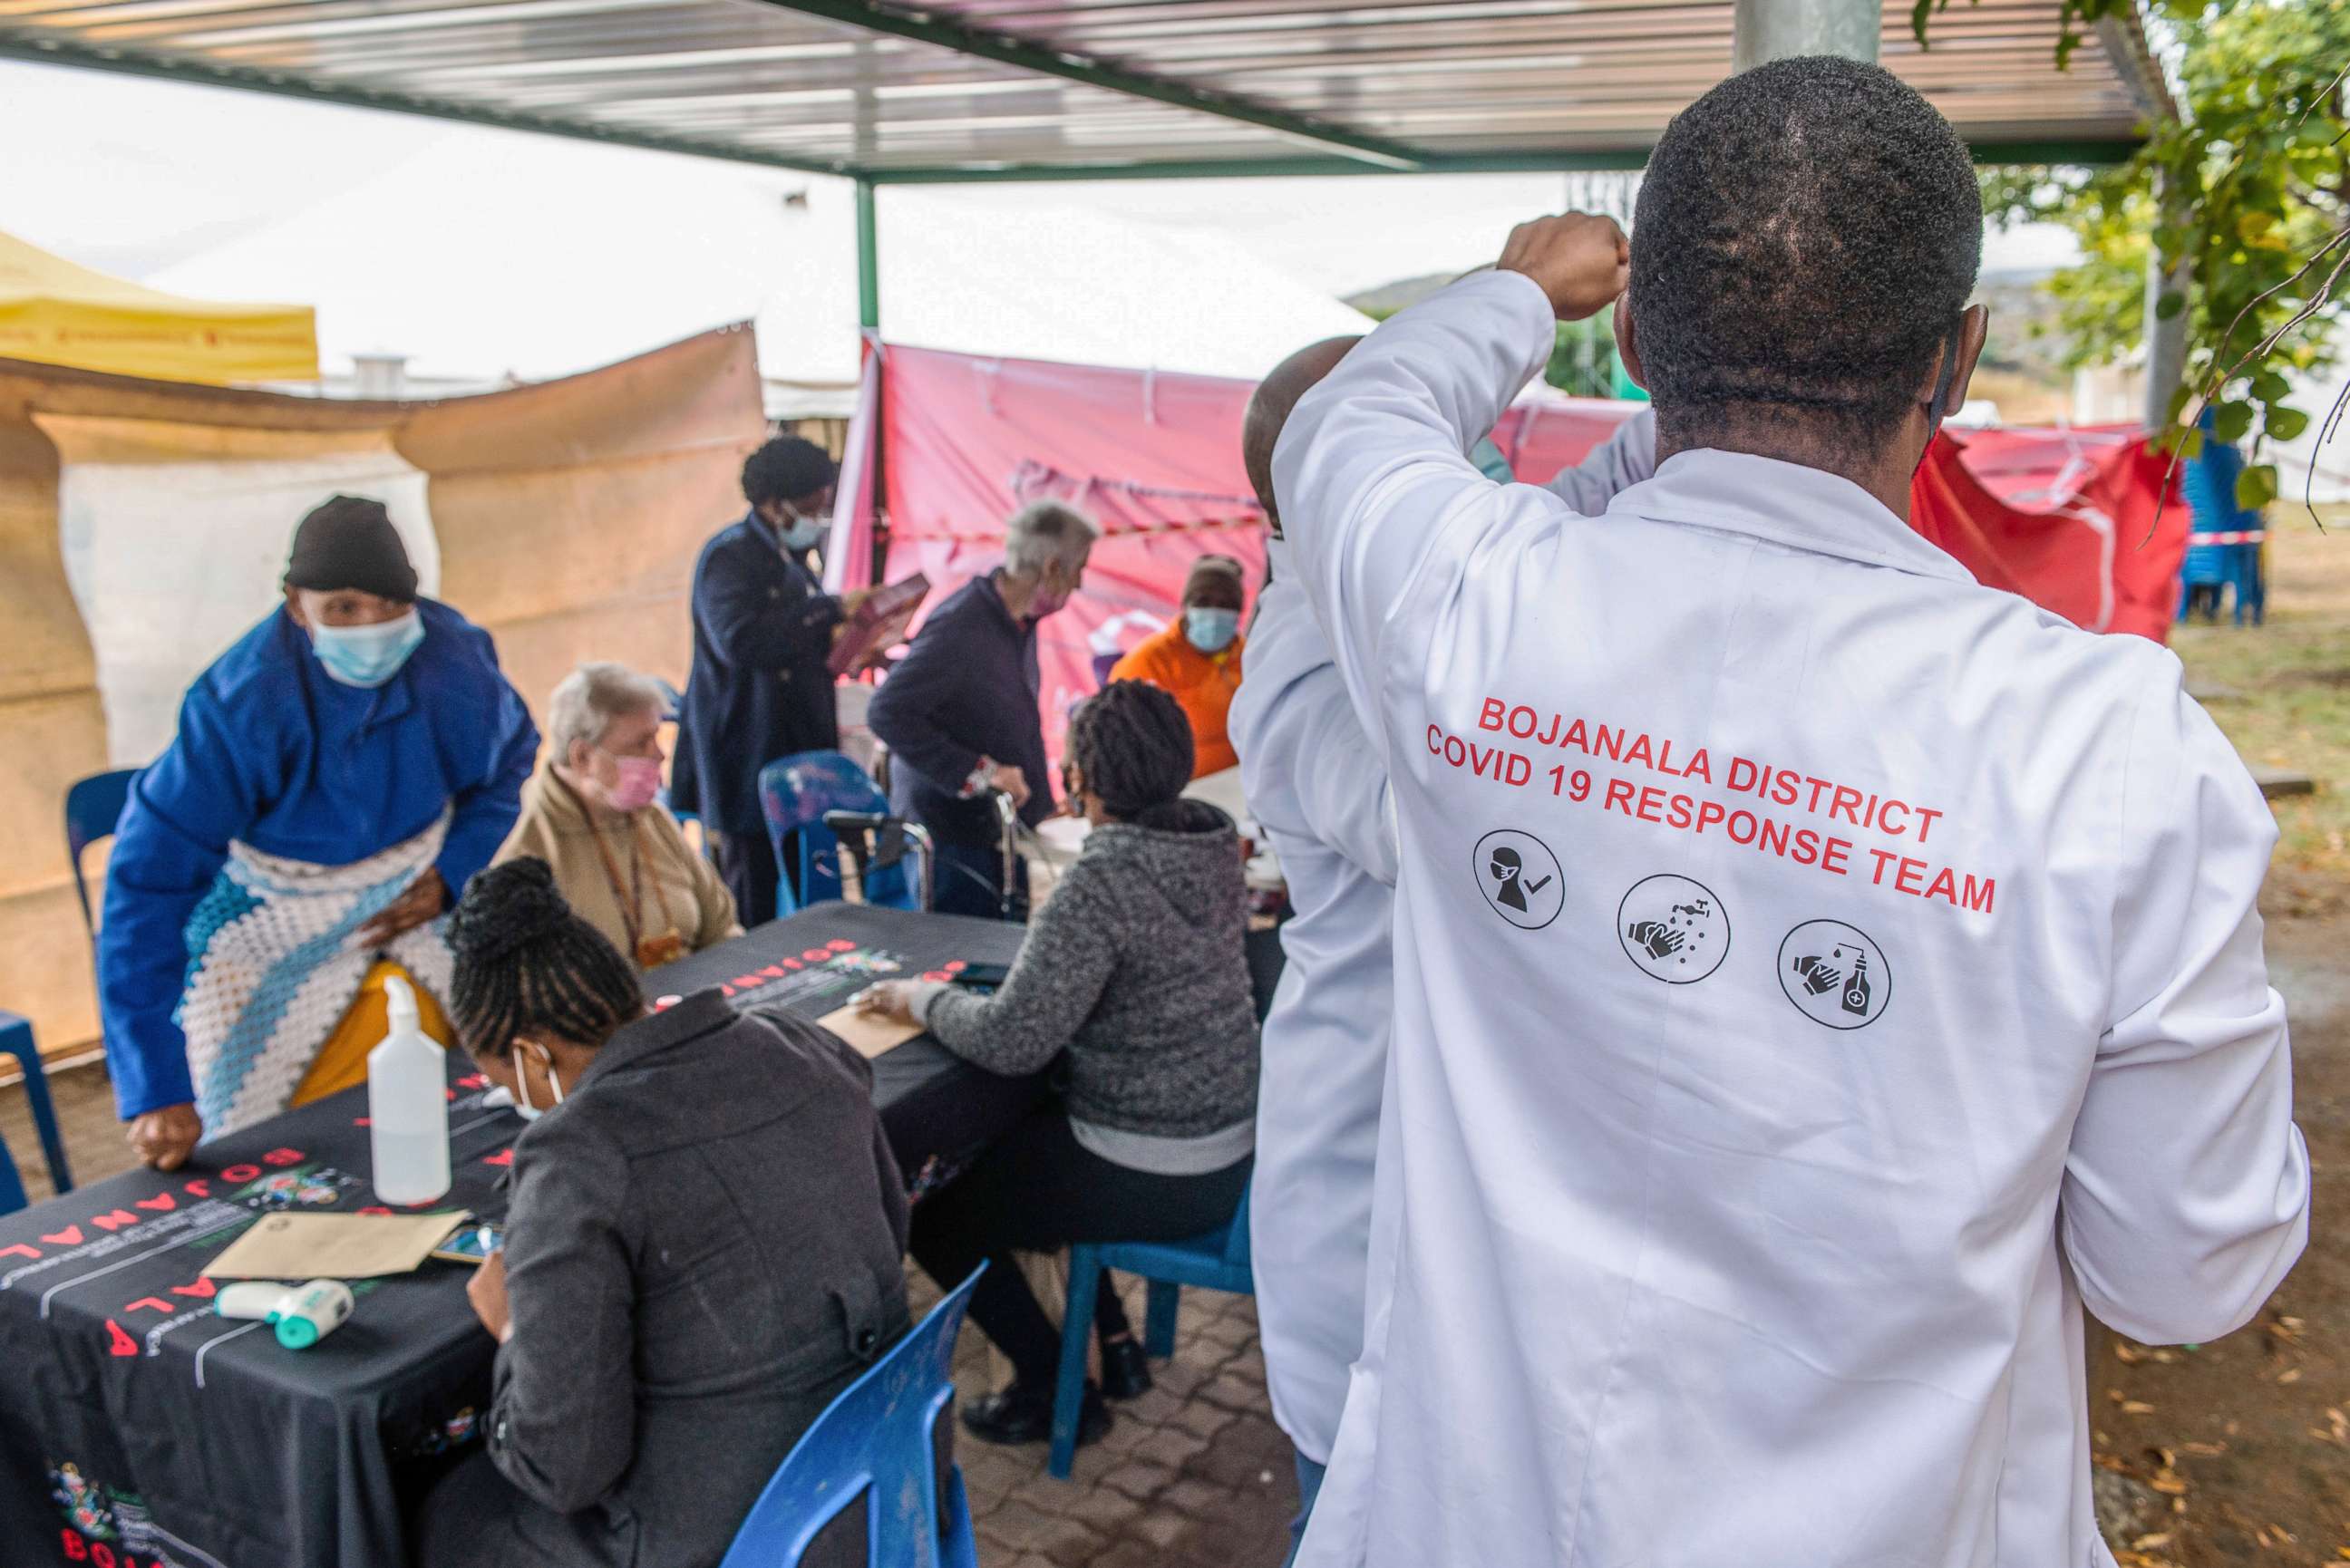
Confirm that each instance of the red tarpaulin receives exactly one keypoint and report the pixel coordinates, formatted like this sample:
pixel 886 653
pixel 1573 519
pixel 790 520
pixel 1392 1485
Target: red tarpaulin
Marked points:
pixel 1155 459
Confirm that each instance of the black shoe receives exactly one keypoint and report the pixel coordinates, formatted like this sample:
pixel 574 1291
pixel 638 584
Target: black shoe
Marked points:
pixel 1015 1416
pixel 1126 1370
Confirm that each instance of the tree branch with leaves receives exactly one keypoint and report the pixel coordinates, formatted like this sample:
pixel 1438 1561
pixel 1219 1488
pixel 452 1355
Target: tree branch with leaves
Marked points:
pixel 2246 195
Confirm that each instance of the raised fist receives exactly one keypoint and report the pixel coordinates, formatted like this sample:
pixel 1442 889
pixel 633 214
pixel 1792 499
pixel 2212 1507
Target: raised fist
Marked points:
pixel 1581 261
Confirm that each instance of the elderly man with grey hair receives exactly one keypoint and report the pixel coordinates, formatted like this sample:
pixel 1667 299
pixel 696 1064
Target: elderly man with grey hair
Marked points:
pixel 593 813
pixel 960 713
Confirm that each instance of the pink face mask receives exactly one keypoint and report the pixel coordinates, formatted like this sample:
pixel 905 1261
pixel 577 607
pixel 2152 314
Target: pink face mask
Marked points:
pixel 639 784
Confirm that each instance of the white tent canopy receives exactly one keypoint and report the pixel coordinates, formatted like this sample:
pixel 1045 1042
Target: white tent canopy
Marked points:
pixel 555 258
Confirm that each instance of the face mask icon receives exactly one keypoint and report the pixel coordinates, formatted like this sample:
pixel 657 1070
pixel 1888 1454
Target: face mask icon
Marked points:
pixel 1509 870
pixel 1518 878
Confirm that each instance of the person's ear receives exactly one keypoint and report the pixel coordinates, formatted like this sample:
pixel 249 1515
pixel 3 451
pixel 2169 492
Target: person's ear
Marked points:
pixel 1628 347
pixel 1974 331
pixel 294 607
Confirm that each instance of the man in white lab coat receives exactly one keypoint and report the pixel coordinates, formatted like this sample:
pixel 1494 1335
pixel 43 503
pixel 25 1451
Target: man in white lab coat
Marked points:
pixel 1319 791
pixel 1817 976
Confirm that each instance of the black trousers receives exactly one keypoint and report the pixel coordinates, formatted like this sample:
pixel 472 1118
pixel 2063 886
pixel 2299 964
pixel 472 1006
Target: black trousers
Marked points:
pixel 968 881
pixel 1038 1190
pixel 746 864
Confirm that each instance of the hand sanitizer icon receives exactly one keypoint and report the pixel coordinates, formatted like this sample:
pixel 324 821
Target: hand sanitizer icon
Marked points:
pixel 1856 987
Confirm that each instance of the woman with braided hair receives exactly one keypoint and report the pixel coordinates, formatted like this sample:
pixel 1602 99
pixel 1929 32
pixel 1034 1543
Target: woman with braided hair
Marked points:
pixel 1133 974
pixel 704 1247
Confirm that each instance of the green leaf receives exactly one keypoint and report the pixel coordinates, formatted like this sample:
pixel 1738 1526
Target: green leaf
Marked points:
pixel 2231 422
pixel 2189 443
pixel 2256 487
pixel 2271 388
pixel 2286 424
pixel 2169 304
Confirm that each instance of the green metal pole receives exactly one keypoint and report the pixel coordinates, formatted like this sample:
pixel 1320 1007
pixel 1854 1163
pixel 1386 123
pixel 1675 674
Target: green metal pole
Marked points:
pixel 868 261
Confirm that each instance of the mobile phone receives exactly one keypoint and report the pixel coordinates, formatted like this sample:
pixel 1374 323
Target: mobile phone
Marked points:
pixel 470 1243
pixel 988 974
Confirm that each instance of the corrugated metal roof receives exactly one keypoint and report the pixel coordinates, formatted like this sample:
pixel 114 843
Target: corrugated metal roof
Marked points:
pixel 1113 86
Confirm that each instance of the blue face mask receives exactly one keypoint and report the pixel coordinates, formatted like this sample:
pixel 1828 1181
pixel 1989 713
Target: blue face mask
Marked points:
pixel 1211 631
pixel 800 533
pixel 367 656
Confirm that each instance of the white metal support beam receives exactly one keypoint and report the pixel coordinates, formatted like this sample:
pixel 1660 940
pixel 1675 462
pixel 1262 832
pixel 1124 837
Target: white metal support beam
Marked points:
pixel 1774 29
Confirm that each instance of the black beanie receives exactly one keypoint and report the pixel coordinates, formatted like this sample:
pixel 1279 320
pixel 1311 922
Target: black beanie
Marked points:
pixel 349 543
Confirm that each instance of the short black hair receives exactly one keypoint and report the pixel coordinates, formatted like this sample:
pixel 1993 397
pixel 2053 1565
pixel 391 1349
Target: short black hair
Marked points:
pixel 1806 237
pixel 526 964
pixel 1135 747
pixel 787 468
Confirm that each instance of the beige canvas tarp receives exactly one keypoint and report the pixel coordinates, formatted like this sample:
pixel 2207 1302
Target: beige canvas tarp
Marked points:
pixel 563 517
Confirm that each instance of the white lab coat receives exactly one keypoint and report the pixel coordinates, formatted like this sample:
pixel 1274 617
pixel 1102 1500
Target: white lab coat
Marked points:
pixel 1319 792
pixel 1693 1262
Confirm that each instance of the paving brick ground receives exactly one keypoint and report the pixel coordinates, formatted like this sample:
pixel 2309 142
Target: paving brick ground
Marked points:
pixel 1193 1475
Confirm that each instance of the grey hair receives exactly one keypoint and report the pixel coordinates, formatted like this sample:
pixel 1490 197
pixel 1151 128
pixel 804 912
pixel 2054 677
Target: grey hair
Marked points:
pixel 1044 532
pixel 589 699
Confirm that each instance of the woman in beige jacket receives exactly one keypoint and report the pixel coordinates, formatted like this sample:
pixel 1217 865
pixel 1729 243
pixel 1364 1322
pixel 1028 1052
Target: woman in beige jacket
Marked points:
pixel 593 813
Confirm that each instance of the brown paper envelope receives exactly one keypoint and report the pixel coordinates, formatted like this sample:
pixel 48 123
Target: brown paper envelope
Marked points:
pixel 868 1033
pixel 333 1246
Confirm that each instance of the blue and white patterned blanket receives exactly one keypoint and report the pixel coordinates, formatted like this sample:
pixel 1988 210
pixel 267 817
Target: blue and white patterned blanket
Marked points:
pixel 274 962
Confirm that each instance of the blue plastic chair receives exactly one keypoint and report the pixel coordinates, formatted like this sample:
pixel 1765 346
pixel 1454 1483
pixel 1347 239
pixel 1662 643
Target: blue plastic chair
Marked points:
pixel 93 808
pixel 794 793
pixel 876 1441
pixel 17 1040
pixel 12 1186
pixel 1218 1261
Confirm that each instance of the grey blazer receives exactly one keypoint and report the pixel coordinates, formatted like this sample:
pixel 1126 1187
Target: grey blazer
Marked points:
pixel 703 1249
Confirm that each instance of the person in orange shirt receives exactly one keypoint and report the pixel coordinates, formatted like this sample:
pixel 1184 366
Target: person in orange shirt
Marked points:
pixel 1197 660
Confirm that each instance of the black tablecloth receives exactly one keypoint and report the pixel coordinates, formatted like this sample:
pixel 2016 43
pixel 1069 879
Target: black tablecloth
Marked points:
pixel 139 1429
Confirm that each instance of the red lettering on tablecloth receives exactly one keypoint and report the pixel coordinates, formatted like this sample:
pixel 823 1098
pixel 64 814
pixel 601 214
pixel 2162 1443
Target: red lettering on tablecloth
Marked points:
pixel 375 1209
pixel 772 971
pixel 20 1250
pixel 936 976
pixel 841 945
pixel 816 955
pixel 474 1081
pixel 68 1237
pixel 201 1289
pixel 118 1341
pixel 162 1203
pixel 198 1188
pixel 793 964
pixel 77 1550
pixel 102 1555
pixel 954 966
pixel 725 990
pixel 282 1157
pixel 114 1221
pixel 158 1303
pixel 236 1175
pixel 504 1157
pixel 362 1121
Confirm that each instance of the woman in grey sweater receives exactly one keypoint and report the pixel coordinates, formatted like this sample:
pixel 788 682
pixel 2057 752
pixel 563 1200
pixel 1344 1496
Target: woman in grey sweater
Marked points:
pixel 1133 973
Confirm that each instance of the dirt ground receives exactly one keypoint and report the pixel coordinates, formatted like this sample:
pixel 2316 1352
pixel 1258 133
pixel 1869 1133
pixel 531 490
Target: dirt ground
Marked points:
pixel 2238 1451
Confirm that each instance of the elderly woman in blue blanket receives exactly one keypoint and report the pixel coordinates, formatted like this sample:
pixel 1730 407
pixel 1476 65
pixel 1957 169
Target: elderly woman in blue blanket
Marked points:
pixel 337 775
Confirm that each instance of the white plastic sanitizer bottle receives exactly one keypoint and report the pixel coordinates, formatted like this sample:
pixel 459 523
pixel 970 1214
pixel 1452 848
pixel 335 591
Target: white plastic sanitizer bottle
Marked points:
pixel 408 1106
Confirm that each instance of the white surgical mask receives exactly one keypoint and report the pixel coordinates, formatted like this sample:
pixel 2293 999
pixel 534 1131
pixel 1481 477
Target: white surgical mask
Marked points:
pixel 367 656
pixel 522 1101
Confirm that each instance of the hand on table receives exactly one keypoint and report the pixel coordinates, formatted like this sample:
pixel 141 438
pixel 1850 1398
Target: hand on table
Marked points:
pixel 421 903
pixel 1581 260
pixel 890 999
pixel 487 1291
pixel 164 1139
